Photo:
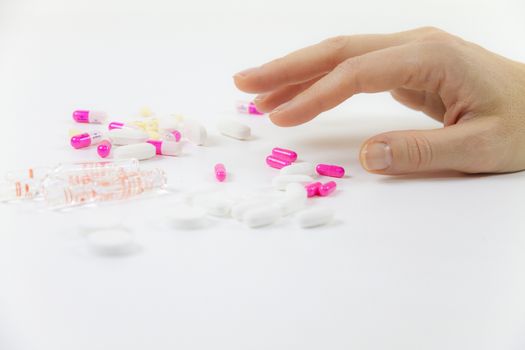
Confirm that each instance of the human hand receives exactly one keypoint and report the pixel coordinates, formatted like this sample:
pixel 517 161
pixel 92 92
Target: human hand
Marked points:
pixel 478 95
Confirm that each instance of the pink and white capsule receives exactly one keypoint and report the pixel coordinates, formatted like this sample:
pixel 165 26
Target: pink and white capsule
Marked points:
pixel 174 135
pixel 312 189
pixel 327 188
pixel 86 139
pixel 220 172
pixel 277 163
pixel 330 170
pixel 166 148
pixel 285 154
pixel 247 108
pixel 92 117
pixel 104 149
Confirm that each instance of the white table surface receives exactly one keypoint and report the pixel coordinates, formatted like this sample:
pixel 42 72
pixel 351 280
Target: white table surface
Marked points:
pixel 416 262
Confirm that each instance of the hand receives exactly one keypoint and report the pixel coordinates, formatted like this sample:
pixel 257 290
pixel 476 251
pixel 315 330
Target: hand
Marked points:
pixel 478 95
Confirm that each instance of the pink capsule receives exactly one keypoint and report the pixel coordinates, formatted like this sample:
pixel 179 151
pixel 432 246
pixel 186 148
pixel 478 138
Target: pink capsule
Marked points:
pixel 330 170
pixel 220 172
pixel 93 117
pixel 86 139
pixel 115 125
pixel 285 154
pixel 248 108
pixel 327 188
pixel 174 135
pixel 104 149
pixel 166 148
pixel 312 189
pixel 277 163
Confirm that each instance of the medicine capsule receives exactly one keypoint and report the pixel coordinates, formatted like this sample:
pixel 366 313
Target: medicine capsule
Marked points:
pixel 285 154
pixel 276 163
pixel 247 108
pixel 92 117
pixel 166 148
pixel 327 188
pixel 174 135
pixel 220 172
pixel 104 149
pixel 312 189
pixel 86 139
pixel 330 170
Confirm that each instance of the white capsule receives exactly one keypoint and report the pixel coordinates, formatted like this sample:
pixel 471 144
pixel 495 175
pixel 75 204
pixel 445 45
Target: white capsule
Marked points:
pixel 188 218
pixel 234 129
pixel 111 241
pixel 262 216
pixel 294 200
pixel 315 217
pixel 304 168
pixel 127 136
pixel 281 181
pixel 194 132
pixel 140 151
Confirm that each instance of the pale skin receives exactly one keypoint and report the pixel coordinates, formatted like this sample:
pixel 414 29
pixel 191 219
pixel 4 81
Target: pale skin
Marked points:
pixel 478 95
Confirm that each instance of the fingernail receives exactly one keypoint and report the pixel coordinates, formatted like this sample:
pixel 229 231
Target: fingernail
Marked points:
pixel 245 72
pixel 376 156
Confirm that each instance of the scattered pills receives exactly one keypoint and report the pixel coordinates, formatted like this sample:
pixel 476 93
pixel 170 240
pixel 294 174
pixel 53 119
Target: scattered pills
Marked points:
pixel 262 216
pixel 140 151
pixel 86 139
pixel 112 241
pixel 316 216
pixel 284 154
pixel 281 181
pixel 312 189
pixel 220 172
pixel 92 117
pixel 104 149
pixel 299 169
pixel 277 163
pixel 127 136
pixel 330 170
pixel 166 148
pixel 234 129
pixel 327 188
pixel 247 108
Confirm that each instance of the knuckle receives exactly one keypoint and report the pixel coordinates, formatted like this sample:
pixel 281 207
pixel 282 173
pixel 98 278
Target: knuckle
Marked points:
pixel 419 152
pixel 350 68
pixel 336 46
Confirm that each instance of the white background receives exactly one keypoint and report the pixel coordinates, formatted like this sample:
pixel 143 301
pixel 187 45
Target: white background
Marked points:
pixel 418 262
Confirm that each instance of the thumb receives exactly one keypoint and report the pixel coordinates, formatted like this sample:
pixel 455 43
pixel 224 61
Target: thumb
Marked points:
pixel 468 147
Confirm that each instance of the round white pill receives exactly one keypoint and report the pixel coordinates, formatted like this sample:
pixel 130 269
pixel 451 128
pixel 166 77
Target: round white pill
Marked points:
pixel 188 218
pixel 127 136
pixel 315 217
pixel 262 216
pixel 234 129
pixel 194 132
pixel 304 168
pixel 111 241
pixel 281 181
pixel 140 151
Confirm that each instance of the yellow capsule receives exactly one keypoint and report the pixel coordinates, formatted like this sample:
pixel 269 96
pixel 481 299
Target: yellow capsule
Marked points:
pixel 154 135
pixel 145 112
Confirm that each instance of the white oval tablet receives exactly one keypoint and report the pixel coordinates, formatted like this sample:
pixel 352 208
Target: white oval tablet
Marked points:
pixel 304 168
pixel 188 218
pixel 234 129
pixel 194 132
pixel 315 217
pixel 140 151
pixel 127 136
pixel 262 216
pixel 281 181
pixel 111 241
pixel 239 209
pixel 294 200
pixel 216 205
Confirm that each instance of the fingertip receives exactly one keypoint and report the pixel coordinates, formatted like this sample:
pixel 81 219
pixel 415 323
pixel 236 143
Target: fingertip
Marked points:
pixel 376 156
